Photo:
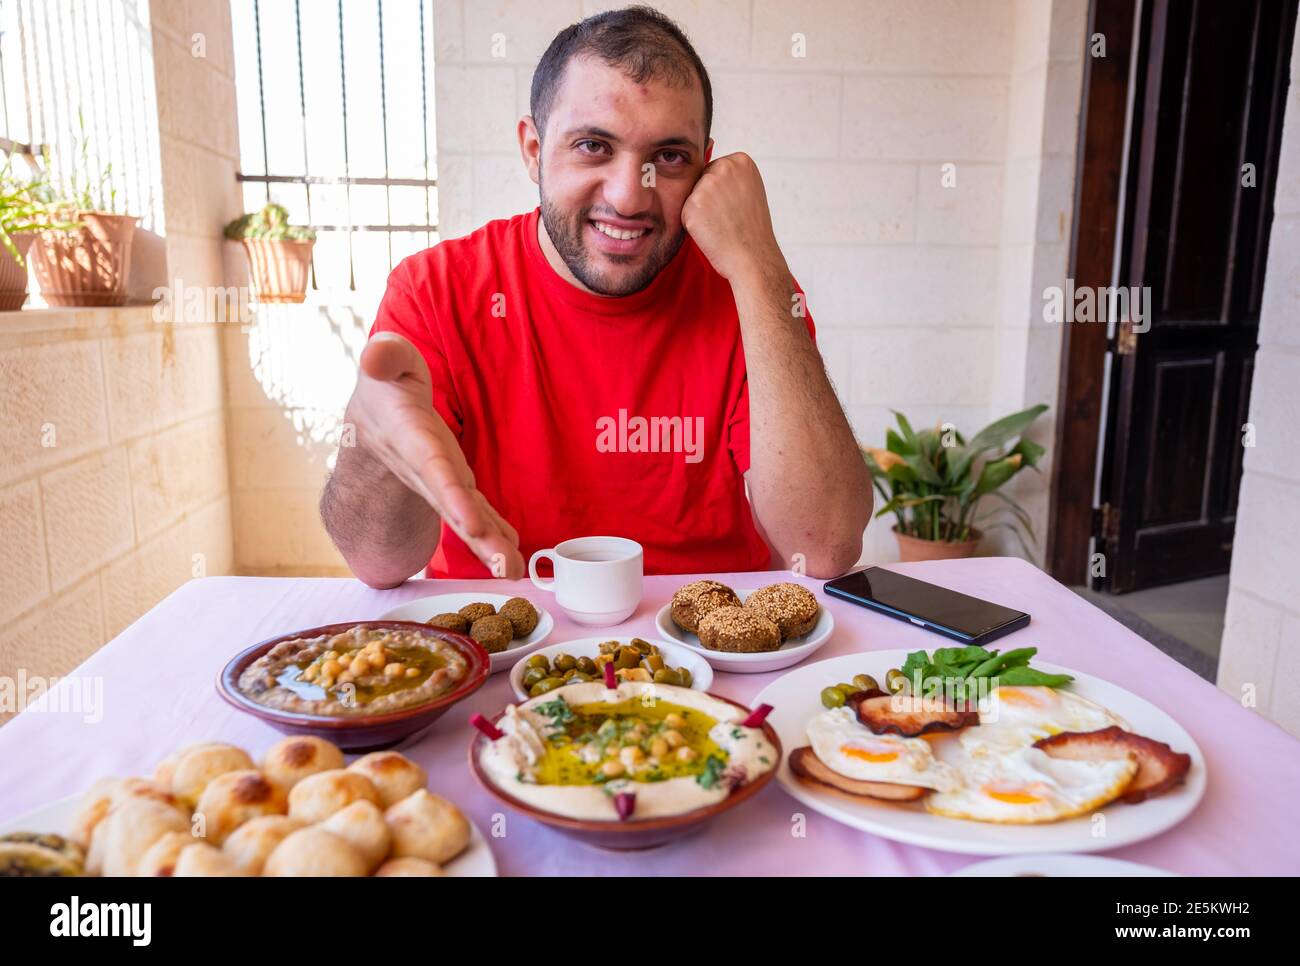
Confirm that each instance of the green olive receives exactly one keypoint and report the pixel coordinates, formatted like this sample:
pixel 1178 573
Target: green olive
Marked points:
pixel 533 675
pixel 653 663
pixel 667 675
pixel 544 685
pixel 579 676
pixel 832 698
pixel 848 689
pixel 627 658
pixel 642 647
pixel 865 682
pixel 687 677
pixel 895 680
pixel 565 662
pixel 608 647
pixel 587 666
pixel 539 661
pixel 568 675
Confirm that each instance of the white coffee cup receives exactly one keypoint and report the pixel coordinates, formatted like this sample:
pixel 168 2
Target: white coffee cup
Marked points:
pixel 597 579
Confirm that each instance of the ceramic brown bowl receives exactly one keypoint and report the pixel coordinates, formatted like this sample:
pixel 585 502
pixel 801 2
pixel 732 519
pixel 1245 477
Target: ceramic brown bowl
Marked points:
pixel 357 732
pixel 632 834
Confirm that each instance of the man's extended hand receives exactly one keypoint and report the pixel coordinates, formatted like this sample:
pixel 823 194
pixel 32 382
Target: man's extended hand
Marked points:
pixel 396 424
pixel 728 217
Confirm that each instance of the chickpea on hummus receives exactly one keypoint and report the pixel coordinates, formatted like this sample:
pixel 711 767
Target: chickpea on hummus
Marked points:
pixel 573 750
pixel 361 671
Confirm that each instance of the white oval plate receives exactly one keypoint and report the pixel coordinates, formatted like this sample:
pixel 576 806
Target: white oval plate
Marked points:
pixel 425 607
pixel 790 652
pixel 675 655
pixel 796 698
pixel 476 861
pixel 1075 866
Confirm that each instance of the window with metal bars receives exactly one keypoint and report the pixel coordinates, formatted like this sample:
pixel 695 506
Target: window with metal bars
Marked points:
pixel 335 123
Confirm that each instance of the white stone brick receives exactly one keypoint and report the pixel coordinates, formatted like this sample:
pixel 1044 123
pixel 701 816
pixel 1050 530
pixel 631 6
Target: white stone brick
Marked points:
pixel 903 367
pixel 88 522
pixel 56 638
pixel 175 472
pixel 476 108
pixel 268 450
pixel 924 118
pixel 1027 95
pixel 1069 30
pixel 1284 708
pixel 968 213
pixel 209 531
pixel 448 31
pixel 776 115
pixel 145 576
pixel 1275 414
pixel 924 36
pixel 1252 630
pixel 871 203
pixel 1061 105
pixel 281 529
pixel 526 27
pixel 502 188
pixel 50 394
pixel 24 570
pixel 133 375
pixel 890 286
pixel 717 29
pixel 1279 322
pixel 1264 554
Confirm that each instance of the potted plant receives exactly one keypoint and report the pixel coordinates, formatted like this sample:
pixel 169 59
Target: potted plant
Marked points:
pixel 934 482
pixel 279 254
pixel 22 214
pixel 82 254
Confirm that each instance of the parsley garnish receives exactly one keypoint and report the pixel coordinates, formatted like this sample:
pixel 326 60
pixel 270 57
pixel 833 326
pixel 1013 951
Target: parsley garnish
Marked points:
pixel 713 768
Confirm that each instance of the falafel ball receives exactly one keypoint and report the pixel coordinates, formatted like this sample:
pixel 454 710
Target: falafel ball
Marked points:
pixel 738 630
pixel 450 622
pixel 493 631
pixel 790 607
pixel 697 598
pixel 472 612
pixel 522 615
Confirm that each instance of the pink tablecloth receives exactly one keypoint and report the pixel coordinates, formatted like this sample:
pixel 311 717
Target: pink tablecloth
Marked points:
pixel 158 694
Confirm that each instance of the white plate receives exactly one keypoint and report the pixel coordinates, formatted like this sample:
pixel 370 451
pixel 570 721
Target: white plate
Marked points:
pixel 56 817
pixel 1080 866
pixel 790 652
pixel 425 607
pixel 796 697
pixel 674 655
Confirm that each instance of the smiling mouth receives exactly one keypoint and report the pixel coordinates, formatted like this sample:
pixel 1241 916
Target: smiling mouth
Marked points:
pixel 618 234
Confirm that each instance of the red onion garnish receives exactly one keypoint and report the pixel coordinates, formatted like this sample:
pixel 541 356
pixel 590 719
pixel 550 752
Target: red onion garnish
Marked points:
pixel 610 680
pixel 625 802
pixel 486 726
pixel 757 716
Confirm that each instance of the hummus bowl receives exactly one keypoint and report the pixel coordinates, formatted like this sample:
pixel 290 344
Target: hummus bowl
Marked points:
pixel 631 767
pixel 364 685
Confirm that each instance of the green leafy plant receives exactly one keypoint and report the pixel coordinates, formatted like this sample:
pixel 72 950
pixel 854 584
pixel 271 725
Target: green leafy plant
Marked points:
pixel 271 223
pixel 934 480
pixel 21 207
pixel 76 185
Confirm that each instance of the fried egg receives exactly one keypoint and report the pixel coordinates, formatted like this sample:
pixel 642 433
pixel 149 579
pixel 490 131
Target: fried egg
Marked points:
pixel 1016 717
pixel 1025 786
pixel 854 751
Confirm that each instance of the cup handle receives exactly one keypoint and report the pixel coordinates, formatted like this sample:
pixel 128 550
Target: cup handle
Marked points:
pixel 538 582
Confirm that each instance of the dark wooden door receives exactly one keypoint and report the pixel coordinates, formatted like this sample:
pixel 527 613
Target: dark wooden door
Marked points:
pixel 1209 98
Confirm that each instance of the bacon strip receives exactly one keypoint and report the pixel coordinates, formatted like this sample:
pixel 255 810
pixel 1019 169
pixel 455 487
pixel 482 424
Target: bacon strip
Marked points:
pixel 908 715
pixel 811 769
pixel 1160 768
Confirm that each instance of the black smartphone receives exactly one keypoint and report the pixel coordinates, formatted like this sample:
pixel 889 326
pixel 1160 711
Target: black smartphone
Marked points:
pixel 958 616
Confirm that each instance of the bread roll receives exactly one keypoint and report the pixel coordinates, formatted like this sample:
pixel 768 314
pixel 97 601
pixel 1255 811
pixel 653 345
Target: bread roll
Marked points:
pixel 293 759
pixel 427 826
pixel 319 796
pixel 393 774
pixel 314 852
pixel 232 799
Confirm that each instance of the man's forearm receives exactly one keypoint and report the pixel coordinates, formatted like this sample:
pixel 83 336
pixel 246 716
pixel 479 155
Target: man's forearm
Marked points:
pixel 809 485
pixel 385 531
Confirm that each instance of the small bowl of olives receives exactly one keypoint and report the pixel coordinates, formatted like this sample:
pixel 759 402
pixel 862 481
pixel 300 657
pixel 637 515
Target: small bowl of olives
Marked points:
pixel 634 659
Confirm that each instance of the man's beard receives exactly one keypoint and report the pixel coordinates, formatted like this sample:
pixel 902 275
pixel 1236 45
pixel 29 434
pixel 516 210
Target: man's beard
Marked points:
pixel 568 235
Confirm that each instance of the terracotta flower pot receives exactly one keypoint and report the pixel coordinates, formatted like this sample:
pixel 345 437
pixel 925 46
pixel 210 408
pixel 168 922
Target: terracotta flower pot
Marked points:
pixel 280 268
pixel 914 548
pixel 13 276
pixel 87 265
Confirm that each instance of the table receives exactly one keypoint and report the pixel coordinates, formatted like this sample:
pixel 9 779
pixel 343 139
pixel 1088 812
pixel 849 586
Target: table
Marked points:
pixel 158 694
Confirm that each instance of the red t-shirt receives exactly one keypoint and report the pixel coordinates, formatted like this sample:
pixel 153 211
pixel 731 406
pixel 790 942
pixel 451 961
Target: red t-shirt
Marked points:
pixel 554 393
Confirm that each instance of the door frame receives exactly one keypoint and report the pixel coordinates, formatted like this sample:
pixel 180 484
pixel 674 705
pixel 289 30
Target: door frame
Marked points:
pixel 1081 401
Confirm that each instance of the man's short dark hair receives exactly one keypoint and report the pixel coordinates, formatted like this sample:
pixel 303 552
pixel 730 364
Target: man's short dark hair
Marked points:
pixel 641 42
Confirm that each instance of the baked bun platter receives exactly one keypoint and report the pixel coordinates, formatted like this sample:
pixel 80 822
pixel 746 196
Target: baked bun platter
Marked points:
pixel 507 627
pixel 211 810
pixel 1047 760
pixel 627 765
pixel 746 631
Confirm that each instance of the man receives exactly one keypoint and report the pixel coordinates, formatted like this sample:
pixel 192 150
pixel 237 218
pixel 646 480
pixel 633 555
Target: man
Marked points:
pixel 622 361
